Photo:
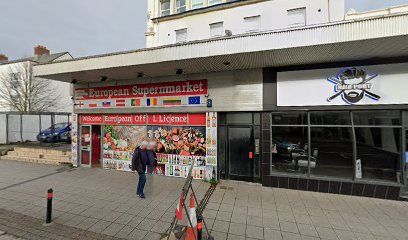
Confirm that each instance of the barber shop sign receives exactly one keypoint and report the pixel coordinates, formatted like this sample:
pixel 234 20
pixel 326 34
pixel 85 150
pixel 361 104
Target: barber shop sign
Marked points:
pixel 354 85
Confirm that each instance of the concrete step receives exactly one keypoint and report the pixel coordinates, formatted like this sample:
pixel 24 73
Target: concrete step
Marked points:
pixel 39 155
pixel 42 150
pixel 33 160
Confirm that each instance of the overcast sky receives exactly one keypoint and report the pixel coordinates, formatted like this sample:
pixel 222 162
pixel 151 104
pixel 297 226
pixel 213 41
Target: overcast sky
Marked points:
pixel 89 27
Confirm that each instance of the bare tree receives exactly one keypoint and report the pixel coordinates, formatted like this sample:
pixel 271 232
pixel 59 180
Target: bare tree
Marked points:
pixel 21 91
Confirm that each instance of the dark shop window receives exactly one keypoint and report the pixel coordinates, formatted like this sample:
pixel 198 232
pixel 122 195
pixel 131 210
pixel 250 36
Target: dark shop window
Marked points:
pixel 383 117
pixel 289 150
pixel 221 150
pixel 379 151
pixel 330 118
pixel 239 118
pixel 332 152
pixel 289 118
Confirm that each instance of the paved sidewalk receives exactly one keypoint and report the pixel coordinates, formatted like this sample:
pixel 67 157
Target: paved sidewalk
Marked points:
pixel 104 202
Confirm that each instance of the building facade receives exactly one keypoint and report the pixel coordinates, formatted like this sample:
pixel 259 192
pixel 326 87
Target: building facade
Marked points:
pixel 177 21
pixel 16 71
pixel 317 107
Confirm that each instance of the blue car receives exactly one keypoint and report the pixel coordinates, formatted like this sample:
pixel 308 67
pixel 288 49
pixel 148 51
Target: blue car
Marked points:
pixel 61 133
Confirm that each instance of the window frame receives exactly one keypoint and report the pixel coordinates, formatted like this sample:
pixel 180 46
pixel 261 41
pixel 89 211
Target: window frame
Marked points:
pixel 402 143
pixel 222 29
pixel 294 10
pixel 186 33
pixel 258 17
pixel 177 8
pixel 165 10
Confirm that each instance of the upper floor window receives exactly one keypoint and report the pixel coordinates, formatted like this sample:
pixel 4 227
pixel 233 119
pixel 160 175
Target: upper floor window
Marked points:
pixel 252 24
pixel 217 29
pixel 297 17
pixel 181 35
pixel 180 6
pixel 214 2
pixel 165 7
pixel 197 4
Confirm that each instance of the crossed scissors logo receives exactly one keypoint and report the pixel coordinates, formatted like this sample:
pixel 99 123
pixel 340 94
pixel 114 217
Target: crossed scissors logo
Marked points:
pixel 352 84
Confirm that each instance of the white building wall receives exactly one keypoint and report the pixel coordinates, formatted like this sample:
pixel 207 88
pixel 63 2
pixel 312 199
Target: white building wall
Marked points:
pixel 273 15
pixel 64 89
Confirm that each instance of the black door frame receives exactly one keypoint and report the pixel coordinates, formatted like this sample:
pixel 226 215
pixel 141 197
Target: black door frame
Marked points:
pixel 251 177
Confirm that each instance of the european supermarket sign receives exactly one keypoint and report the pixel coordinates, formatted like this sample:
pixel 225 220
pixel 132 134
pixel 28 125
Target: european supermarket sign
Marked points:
pixel 165 94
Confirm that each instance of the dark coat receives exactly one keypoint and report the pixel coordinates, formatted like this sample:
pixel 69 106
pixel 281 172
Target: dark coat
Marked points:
pixel 139 160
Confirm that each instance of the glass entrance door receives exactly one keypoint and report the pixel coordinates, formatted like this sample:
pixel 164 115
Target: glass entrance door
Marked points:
pixel 241 157
pixel 86 143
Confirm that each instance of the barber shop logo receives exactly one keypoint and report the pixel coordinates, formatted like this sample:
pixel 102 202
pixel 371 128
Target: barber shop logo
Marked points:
pixel 353 84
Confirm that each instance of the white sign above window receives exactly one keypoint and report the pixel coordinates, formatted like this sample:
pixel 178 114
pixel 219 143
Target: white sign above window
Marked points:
pixel 359 85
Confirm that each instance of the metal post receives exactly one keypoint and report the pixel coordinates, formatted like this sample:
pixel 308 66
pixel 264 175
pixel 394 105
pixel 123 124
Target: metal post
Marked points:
pixel 199 227
pixel 21 127
pixel 7 129
pixel 50 196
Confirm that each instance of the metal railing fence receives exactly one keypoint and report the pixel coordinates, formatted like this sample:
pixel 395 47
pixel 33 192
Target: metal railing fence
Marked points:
pixel 22 127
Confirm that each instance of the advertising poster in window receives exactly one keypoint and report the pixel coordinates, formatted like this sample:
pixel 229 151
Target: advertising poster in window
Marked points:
pixel 118 145
pixel 74 140
pixel 180 139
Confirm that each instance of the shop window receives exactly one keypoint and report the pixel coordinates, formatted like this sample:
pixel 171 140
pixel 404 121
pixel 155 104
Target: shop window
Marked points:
pixel 296 17
pixel 197 4
pixel 289 118
pixel 214 2
pixel 252 24
pixel 217 29
pixel 165 7
pixel 180 6
pixel 332 152
pixel 330 118
pixel 239 118
pixel 379 152
pixel 386 117
pixel 289 150
pixel 181 35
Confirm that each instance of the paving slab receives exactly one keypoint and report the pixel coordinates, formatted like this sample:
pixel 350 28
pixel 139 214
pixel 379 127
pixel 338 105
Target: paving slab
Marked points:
pixel 102 204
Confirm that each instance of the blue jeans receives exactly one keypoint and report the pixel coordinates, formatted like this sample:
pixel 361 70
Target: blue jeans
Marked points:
pixel 141 184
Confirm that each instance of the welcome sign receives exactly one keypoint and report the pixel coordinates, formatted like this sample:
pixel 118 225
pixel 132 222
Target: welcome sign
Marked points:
pixel 166 94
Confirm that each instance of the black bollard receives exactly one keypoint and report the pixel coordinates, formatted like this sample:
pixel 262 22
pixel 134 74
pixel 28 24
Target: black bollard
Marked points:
pixel 199 227
pixel 50 195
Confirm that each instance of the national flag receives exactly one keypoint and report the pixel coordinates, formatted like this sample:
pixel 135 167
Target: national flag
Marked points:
pixel 179 208
pixel 171 101
pixel 80 94
pixel 93 105
pixel 106 104
pixel 135 102
pixel 120 103
pixel 151 102
pixel 194 100
pixel 80 104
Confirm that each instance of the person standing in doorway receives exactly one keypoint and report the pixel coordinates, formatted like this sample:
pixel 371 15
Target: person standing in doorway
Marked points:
pixel 139 162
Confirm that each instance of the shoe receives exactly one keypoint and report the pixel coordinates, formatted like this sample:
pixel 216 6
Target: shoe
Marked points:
pixel 142 196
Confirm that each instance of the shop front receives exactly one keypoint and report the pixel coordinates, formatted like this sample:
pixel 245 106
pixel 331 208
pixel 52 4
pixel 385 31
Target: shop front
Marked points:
pixel 186 119
pixel 339 130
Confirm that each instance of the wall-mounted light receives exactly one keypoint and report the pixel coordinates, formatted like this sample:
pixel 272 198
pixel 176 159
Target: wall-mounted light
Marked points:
pixel 227 63
pixel 74 81
pixel 140 74
pixel 104 78
pixel 179 71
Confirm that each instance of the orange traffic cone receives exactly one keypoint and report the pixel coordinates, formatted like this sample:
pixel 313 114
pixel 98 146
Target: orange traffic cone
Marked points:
pixel 192 230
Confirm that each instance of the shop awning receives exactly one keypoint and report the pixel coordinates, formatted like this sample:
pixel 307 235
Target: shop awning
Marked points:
pixel 369 38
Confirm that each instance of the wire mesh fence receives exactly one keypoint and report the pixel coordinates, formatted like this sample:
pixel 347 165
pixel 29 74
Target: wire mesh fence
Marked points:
pixel 24 127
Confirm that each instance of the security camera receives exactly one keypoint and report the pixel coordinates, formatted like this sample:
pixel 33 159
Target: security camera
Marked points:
pixel 228 33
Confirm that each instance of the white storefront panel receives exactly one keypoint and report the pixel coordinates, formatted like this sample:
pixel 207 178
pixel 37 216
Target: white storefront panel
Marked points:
pixel 356 85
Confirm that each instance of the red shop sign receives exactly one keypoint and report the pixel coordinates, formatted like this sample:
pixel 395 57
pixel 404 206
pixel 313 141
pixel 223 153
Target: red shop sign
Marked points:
pixel 180 88
pixel 91 119
pixel 125 119
pixel 181 119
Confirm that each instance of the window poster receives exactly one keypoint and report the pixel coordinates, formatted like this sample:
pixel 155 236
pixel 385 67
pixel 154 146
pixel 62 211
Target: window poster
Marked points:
pixel 181 140
pixel 74 140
